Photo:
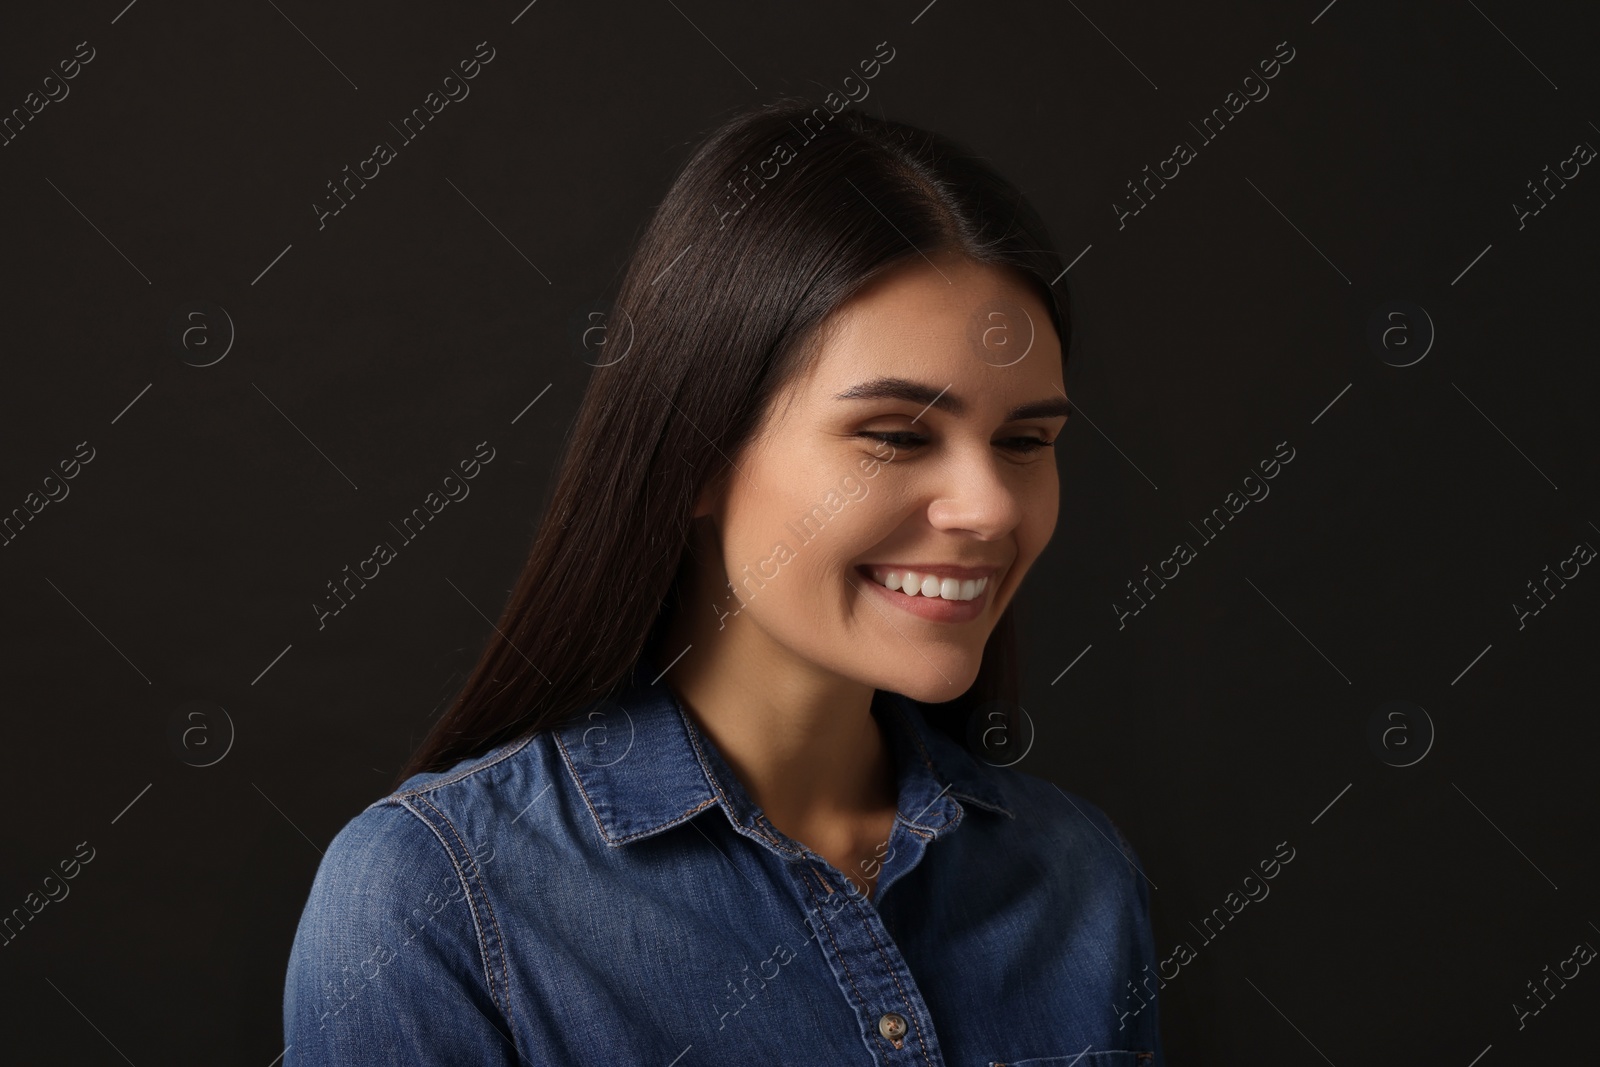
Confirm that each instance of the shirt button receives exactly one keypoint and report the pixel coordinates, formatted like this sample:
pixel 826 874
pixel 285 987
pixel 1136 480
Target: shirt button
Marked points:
pixel 892 1025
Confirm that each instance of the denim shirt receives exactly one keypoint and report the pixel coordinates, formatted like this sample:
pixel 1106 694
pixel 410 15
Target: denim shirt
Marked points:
pixel 607 893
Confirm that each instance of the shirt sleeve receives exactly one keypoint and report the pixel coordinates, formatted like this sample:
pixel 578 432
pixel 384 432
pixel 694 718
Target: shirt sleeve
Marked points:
pixel 387 964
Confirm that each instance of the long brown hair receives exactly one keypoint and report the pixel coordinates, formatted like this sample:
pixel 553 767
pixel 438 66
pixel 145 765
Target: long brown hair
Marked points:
pixel 780 215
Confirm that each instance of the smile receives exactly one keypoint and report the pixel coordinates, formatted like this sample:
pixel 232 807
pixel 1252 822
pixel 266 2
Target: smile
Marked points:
pixel 928 584
pixel 939 594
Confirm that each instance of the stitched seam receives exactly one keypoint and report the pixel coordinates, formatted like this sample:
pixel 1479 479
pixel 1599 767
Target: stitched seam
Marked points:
pixel 916 737
pixel 922 1042
pixel 910 731
pixel 578 780
pixel 600 824
pixel 716 787
pixel 931 829
pixel 428 787
pixel 987 805
pixel 499 937
pixel 843 962
pixel 674 821
pixel 466 891
pixel 477 920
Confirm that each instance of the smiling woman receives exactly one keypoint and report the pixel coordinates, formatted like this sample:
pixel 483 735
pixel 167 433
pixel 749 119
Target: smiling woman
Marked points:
pixel 674 792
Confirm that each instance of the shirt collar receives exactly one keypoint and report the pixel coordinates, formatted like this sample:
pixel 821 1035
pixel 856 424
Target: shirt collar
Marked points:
pixel 642 765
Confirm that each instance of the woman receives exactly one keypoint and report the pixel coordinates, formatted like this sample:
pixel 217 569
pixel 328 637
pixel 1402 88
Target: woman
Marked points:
pixel 708 796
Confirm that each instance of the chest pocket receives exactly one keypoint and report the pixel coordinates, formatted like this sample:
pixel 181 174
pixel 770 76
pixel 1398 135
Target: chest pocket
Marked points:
pixel 1103 1058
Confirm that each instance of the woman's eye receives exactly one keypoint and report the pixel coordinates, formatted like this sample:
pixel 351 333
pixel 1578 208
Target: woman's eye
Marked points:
pixel 908 440
pixel 1028 444
pixel 897 438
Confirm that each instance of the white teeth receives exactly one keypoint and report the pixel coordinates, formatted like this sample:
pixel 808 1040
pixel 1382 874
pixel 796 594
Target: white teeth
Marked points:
pixel 913 584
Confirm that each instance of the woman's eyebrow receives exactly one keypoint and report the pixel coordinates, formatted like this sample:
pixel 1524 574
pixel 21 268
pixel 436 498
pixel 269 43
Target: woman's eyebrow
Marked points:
pixel 928 396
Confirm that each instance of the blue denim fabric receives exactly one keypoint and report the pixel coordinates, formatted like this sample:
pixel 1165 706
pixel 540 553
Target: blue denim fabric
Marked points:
pixel 607 893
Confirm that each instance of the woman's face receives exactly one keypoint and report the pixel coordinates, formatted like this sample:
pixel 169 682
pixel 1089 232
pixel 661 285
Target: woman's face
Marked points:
pixel 935 467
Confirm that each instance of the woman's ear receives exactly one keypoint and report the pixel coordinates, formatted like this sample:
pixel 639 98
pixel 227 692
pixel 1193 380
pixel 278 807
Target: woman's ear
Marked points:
pixel 710 498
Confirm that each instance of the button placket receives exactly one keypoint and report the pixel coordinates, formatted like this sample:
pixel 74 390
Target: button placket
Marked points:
pixel 871 972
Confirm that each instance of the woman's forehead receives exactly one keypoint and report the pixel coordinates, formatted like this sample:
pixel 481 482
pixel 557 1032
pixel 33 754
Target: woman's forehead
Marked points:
pixel 981 322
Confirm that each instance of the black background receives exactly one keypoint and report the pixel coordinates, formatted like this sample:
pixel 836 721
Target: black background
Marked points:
pixel 1232 313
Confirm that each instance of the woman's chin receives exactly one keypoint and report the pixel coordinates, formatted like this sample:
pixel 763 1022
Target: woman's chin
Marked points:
pixel 936 680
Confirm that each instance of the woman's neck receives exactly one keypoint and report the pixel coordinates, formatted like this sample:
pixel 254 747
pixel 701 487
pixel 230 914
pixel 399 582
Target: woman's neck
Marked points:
pixel 804 743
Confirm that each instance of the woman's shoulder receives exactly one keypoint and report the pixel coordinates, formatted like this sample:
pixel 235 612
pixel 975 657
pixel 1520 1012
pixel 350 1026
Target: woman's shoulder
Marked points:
pixel 1032 804
pixel 1061 828
pixel 1065 823
pixel 480 789
pixel 377 859
pixel 434 820
pixel 393 931
pixel 469 776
